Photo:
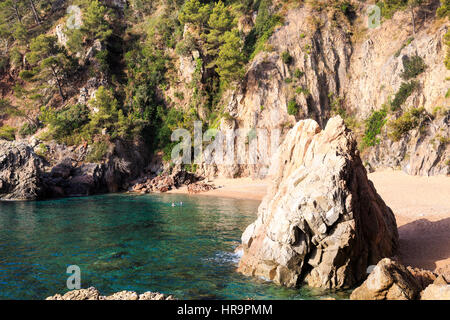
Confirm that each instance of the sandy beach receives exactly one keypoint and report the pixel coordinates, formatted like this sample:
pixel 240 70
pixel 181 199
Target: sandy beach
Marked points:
pixel 421 206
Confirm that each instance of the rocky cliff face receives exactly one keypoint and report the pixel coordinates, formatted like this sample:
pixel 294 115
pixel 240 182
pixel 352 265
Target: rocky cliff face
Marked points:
pixel 322 220
pixel 26 176
pixel 20 170
pixel 337 62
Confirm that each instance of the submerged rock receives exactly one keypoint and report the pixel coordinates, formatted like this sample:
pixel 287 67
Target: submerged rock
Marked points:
pixel 322 220
pixel 93 294
pixel 20 170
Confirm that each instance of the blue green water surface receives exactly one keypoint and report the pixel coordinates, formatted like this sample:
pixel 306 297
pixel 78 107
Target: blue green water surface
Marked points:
pixel 130 242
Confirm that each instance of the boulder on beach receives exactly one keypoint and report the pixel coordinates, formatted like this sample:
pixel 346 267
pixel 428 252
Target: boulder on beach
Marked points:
pixel 389 280
pixel 322 221
pixel 438 290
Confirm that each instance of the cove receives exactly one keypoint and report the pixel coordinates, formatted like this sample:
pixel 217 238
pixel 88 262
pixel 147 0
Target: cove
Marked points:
pixel 131 242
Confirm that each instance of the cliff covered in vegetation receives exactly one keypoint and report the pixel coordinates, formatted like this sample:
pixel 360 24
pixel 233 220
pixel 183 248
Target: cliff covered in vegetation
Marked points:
pixel 92 75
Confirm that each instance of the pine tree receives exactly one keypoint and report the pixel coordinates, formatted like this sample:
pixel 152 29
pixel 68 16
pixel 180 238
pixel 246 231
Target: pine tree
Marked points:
pixel 194 12
pixel 51 62
pixel 106 112
pixel 231 58
pixel 94 22
pixel 220 21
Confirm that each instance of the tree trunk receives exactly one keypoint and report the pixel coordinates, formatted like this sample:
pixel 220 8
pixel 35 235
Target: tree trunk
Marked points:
pixel 58 84
pixel 36 16
pixel 16 11
pixel 414 29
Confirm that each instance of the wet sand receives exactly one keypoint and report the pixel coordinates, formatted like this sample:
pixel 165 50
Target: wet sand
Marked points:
pixel 421 206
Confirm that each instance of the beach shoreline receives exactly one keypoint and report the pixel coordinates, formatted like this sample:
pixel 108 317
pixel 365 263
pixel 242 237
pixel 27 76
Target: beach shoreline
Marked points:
pixel 420 204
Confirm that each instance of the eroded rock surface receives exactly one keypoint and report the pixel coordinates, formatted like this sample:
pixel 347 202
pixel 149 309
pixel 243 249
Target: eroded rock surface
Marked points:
pixel 93 294
pixel 438 290
pixel 20 170
pixel 322 220
pixel 389 280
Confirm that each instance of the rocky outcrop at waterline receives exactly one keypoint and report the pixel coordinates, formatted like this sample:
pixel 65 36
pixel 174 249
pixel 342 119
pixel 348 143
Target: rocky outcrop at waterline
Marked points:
pixel 25 175
pixel 389 280
pixel 93 294
pixel 164 182
pixel 322 220
pixel 20 170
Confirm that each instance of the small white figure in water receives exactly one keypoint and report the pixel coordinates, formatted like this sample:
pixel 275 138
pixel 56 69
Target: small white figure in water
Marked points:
pixel 173 204
pixel 181 203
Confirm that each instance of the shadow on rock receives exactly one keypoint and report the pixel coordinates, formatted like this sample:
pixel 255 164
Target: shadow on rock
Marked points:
pixel 424 242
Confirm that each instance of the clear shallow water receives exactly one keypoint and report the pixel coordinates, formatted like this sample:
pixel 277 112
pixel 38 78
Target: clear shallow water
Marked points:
pixel 130 242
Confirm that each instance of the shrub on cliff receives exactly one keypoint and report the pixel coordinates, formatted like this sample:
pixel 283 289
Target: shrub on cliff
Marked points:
pixel 447 43
pixel 65 123
pixel 292 107
pixel 286 57
pixel 374 124
pixel 409 120
pixel 412 67
pixel 389 7
pixel 265 24
pixel 7 133
pixel 402 94
pixel 444 9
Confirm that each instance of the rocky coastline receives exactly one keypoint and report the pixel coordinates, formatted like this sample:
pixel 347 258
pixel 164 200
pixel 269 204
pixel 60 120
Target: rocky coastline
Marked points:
pixel 27 175
pixel 323 224
pixel 93 294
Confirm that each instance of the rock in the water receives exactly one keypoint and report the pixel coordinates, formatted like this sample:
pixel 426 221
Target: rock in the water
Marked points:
pixel 322 220
pixel 20 170
pixel 389 280
pixel 93 294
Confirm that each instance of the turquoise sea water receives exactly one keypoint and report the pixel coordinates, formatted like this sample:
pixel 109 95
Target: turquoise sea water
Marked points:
pixel 131 242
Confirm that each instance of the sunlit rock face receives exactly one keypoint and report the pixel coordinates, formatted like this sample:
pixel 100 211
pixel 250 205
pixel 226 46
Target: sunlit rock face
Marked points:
pixel 322 220
pixel 19 171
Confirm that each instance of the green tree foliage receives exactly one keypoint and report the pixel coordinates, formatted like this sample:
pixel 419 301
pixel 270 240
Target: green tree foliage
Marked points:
pixel 409 120
pixel 444 9
pixel 11 10
pixel 220 21
pixel 51 62
pixel 107 111
pixel 231 59
pixel 292 107
pixel 265 24
pixel 286 57
pixel 402 94
pixel 186 46
pixel 66 122
pixel 374 124
pixel 194 12
pixel 7 133
pixel 389 7
pixel 94 21
pixel 412 67
pixel 447 43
